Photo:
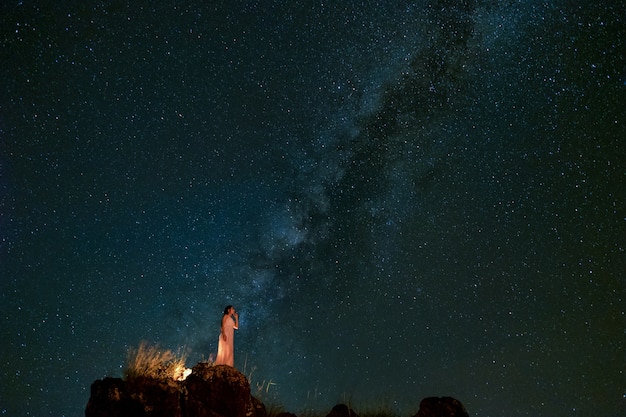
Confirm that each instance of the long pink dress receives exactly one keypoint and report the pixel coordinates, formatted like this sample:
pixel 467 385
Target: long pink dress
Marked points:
pixel 226 348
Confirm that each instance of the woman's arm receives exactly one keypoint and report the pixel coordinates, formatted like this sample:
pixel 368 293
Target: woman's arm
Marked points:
pixel 236 320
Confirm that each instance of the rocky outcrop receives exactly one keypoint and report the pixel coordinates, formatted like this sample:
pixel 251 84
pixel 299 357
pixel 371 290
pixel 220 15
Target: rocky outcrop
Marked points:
pixel 210 391
pixel 220 390
pixel 137 397
pixel 441 407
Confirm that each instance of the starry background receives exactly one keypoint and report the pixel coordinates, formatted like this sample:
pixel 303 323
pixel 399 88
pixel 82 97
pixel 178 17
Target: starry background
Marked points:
pixel 402 200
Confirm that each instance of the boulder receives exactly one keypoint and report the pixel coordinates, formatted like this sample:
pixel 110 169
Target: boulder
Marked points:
pixel 209 391
pixel 114 397
pixel 441 407
pixel 341 410
pixel 256 408
pixel 217 389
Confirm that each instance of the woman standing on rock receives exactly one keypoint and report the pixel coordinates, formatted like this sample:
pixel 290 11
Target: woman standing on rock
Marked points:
pixel 226 344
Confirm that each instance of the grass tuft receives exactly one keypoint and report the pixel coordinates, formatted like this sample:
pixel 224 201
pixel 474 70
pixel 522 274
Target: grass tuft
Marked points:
pixel 153 362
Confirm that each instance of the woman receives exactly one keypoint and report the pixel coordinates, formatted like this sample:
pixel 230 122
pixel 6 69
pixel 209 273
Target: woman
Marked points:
pixel 226 344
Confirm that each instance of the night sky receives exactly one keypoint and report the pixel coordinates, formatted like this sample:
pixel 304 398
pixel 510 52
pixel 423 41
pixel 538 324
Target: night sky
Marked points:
pixel 405 200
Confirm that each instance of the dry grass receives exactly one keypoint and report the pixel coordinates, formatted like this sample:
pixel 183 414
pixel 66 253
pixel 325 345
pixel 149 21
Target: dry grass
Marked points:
pixel 153 362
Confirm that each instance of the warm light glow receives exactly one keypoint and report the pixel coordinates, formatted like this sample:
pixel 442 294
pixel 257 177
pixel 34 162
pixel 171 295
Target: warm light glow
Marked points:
pixel 182 373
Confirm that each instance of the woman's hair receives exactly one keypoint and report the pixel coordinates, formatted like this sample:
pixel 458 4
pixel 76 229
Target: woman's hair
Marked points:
pixel 227 309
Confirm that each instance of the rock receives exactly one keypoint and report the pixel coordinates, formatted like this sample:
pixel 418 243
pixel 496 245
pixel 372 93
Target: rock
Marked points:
pixel 114 397
pixel 256 408
pixel 219 389
pixel 110 398
pixel 341 410
pixel 441 407
pixel 209 391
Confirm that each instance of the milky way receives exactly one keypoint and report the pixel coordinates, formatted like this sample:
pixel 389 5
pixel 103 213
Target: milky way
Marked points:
pixel 401 201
